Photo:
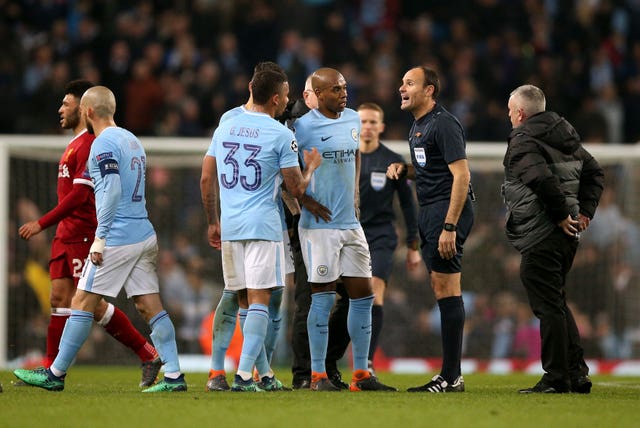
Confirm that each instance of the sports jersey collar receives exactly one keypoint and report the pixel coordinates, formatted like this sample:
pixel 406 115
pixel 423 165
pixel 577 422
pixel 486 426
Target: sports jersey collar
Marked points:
pixel 426 117
pixel 80 134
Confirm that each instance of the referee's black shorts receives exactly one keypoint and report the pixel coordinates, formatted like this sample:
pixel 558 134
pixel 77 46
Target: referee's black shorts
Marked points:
pixel 382 240
pixel 431 221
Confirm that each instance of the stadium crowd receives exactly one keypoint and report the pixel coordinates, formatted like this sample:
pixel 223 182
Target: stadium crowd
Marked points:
pixel 175 67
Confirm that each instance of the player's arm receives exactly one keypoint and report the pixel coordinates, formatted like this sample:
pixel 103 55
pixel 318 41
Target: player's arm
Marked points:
pixel 296 183
pixel 292 203
pixel 210 191
pixel 78 194
pixel 459 191
pixel 356 191
pixel 399 170
pixel 106 211
pixel 408 206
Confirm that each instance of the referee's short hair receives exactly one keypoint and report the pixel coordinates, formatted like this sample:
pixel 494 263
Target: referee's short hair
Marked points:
pixel 430 78
pixel 266 84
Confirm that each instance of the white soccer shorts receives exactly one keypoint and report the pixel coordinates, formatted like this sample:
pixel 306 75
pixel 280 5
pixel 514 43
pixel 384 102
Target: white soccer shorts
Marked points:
pixel 130 266
pixel 254 264
pixel 331 253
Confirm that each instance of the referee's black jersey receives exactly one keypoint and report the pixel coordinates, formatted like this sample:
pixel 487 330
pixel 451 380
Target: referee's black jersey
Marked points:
pixel 436 140
pixel 377 191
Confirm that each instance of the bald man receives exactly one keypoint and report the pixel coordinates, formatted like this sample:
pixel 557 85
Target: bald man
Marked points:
pixel 338 247
pixel 124 250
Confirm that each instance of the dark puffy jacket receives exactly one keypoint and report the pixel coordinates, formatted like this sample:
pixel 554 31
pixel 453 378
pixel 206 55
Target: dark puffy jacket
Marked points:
pixel 548 175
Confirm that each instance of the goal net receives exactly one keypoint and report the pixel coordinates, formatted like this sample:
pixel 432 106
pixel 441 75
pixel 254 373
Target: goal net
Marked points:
pixel 603 287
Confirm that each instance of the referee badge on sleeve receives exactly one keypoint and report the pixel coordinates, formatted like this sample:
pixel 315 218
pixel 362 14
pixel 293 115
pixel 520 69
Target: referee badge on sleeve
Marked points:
pixel 378 180
pixel 420 155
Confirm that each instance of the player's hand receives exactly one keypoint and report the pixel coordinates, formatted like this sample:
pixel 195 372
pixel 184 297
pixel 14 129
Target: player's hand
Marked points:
pixel 396 170
pixel 413 259
pixel 318 210
pixel 312 158
pixel 447 245
pixel 213 235
pixel 96 250
pixel 583 222
pixel 29 229
pixel 570 226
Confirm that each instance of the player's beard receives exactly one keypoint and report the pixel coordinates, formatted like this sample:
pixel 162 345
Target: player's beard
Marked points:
pixel 72 121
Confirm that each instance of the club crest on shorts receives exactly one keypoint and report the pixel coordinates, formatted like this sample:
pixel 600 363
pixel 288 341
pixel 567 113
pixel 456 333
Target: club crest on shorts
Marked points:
pixel 421 156
pixel 378 180
pixel 322 270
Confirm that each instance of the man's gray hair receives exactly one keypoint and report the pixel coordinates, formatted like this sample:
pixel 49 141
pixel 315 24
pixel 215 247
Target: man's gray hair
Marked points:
pixel 530 98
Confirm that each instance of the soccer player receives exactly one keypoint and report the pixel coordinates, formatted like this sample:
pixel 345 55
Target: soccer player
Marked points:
pixel 338 334
pixel 376 212
pixel 233 301
pixel 250 155
pixel 336 248
pixel 440 168
pixel 76 218
pixel 124 250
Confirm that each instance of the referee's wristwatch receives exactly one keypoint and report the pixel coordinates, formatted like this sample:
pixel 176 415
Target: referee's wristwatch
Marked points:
pixel 450 227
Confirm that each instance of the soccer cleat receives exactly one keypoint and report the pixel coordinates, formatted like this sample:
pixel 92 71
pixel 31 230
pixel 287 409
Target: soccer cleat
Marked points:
pixel 150 370
pixel 336 379
pixel 241 385
pixel 364 381
pixel 320 382
pixel 301 383
pixel 271 384
pixel 438 384
pixel 544 388
pixel 169 385
pixel 41 377
pixel 581 384
pixel 218 383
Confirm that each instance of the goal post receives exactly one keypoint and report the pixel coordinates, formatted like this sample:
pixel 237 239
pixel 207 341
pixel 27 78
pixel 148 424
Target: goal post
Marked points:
pixel 28 168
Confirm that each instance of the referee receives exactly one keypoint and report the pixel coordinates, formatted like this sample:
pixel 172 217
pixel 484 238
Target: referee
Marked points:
pixel 439 166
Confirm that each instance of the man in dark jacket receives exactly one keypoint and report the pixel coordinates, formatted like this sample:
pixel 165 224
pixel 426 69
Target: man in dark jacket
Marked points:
pixel 552 188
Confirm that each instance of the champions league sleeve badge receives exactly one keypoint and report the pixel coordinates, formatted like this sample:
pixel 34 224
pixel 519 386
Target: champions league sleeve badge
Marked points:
pixel 294 146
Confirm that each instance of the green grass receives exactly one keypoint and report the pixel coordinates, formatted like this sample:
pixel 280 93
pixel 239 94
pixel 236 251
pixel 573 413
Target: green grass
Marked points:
pixel 109 397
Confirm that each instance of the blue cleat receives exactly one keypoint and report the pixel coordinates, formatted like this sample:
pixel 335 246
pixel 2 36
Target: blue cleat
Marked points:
pixel 41 377
pixel 169 385
pixel 240 385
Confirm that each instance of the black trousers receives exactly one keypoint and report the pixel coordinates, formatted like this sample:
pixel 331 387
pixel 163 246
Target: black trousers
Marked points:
pixel 338 334
pixel 543 271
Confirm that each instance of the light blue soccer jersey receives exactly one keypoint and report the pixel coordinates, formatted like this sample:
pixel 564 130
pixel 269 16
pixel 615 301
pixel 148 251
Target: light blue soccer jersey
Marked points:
pixel 333 183
pixel 232 113
pixel 250 149
pixel 117 164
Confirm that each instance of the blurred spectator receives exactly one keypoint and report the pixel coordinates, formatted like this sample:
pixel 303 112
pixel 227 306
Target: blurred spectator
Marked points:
pixel 143 99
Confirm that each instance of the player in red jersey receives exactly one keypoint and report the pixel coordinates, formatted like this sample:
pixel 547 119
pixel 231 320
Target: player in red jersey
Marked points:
pixel 75 215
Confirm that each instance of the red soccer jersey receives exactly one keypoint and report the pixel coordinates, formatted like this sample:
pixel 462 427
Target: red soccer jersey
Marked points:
pixel 79 224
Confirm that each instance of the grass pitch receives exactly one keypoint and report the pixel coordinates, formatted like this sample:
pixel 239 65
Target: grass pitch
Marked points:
pixel 109 397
